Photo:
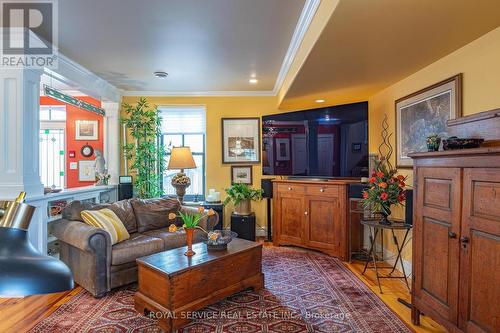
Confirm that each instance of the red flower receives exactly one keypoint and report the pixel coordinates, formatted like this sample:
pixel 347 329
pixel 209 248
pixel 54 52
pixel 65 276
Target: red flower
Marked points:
pixel 402 184
pixel 382 184
pixel 373 180
pixel 402 196
pixel 380 174
pixel 401 177
pixel 365 195
pixel 384 196
pixel 374 174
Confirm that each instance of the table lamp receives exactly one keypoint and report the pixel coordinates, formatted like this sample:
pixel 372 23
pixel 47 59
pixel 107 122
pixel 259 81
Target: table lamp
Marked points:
pixel 181 158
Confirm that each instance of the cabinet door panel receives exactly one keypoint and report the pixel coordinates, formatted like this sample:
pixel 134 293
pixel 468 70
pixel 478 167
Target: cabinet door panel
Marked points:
pixel 323 219
pixel 291 211
pixel 436 233
pixel 480 256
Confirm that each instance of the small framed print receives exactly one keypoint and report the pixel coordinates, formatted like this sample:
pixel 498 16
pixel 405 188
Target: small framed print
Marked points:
pixel 241 174
pixel 86 171
pixel 240 140
pixel 86 130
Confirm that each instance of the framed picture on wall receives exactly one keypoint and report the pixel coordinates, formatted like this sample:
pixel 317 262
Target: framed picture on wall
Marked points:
pixel 86 130
pixel 282 149
pixel 86 171
pixel 241 174
pixel 423 113
pixel 240 140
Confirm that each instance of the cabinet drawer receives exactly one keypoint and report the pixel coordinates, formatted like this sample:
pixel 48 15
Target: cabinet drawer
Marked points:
pixel 291 188
pixel 329 191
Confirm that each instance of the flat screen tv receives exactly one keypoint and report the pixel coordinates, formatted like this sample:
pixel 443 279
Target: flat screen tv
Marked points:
pixel 319 143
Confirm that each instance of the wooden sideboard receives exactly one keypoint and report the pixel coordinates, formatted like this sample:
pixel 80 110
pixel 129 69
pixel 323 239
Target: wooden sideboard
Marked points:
pixel 456 239
pixel 313 215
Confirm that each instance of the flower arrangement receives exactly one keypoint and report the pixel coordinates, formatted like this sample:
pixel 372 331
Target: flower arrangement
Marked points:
pixel 387 188
pixel 190 223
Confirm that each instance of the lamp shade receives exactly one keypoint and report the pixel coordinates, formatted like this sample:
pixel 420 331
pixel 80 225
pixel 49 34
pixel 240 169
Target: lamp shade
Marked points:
pixel 181 158
pixel 23 270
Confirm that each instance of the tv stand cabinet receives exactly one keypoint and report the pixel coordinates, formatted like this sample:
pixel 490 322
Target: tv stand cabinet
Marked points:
pixel 312 214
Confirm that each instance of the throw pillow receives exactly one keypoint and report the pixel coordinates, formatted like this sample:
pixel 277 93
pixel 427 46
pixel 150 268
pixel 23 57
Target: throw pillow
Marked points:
pixel 107 220
pixel 152 214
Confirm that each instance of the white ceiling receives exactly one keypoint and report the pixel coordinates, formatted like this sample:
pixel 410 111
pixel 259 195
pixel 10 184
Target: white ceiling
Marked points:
pixel 204 45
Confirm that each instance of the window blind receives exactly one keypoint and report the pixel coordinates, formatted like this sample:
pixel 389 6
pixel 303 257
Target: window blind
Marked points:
pixel 182 119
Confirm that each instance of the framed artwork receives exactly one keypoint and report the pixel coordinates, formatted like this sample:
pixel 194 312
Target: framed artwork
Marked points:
pixel 86 130
pixel 423 113
pixel 241 174
pixel 86 171
pixel 282 149
pixel 240 140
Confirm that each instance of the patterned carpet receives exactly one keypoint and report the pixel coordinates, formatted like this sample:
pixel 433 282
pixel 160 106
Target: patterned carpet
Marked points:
pixel 305 292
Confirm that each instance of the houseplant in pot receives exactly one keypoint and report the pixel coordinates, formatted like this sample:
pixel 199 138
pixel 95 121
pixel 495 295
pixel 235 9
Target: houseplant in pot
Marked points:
pixel 189 224
pixel 242 196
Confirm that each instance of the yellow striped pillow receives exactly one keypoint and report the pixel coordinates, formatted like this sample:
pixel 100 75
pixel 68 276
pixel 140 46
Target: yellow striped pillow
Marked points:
pixel 107 220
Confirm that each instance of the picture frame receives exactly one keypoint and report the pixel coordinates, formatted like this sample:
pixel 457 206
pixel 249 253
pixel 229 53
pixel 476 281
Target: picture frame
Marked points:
pixel 241 174
pixel 240 140
pixel 86 171
pixel 282 149
pixel 87 130
pixel 425 112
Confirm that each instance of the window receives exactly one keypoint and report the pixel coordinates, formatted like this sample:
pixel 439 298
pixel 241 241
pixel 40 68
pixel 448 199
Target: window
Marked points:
pixel 52 143
pixel 185 126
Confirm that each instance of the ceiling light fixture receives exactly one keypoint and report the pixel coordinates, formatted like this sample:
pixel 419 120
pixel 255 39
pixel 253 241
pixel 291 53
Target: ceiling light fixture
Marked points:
pixel 160 74
pixel 320 101
pixel 253 80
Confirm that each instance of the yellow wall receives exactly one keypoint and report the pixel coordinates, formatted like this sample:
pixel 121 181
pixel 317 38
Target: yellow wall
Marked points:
pixel 479 62
pixel 218 174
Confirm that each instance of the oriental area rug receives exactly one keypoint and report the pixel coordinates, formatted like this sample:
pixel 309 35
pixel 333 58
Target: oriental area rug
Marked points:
pixel 304 292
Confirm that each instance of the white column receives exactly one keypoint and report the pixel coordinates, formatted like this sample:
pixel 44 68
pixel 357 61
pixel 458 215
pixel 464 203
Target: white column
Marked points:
pixel 112 140
pixel 19 132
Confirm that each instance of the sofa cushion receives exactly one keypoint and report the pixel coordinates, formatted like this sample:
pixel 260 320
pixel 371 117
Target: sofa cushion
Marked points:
pixel 123 209
pixel 176 239
pixel 152 214
pixel 135 247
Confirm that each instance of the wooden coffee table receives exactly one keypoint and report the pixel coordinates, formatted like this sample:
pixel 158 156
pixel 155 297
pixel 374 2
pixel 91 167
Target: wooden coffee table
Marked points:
pixel 172 285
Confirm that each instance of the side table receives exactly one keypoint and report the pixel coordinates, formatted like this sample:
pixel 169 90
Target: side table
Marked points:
pixel 375 227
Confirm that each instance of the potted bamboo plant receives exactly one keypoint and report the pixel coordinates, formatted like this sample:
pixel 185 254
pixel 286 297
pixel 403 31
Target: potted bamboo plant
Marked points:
pixel 242 196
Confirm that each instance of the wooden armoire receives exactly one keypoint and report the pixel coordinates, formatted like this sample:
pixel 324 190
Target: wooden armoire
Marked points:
pixel 456 239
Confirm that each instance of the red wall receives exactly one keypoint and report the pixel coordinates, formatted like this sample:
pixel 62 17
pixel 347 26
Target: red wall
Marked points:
pixel 74 113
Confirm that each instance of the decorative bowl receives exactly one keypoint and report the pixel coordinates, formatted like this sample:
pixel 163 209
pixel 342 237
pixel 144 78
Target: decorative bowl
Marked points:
pixel 218 239
pixel 461 143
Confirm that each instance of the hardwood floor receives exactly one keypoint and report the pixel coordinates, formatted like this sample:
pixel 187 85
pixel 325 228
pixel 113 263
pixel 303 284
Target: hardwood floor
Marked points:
pixel 392 290
pixel 20 314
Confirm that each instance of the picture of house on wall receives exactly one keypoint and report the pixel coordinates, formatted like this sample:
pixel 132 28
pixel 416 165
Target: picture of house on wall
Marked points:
pixel 86 130
pixel 240 140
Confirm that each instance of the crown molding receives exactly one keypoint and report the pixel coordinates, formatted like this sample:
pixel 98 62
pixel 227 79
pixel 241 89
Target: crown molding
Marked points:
pixel 305 19
pixel 75 75
pixel 199 93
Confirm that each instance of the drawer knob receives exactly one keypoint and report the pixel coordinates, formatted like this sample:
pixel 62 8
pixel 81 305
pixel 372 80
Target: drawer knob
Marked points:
pixel 464 239
pixel 289 189
pixel 451 234
pixel 305 213
pixel 322 190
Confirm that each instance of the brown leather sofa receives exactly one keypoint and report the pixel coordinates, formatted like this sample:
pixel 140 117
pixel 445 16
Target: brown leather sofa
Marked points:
pixel 99 267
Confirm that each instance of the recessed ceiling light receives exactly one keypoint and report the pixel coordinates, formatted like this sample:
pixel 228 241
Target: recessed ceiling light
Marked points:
pixel 160 74
pixel 253 80
pixel 320 101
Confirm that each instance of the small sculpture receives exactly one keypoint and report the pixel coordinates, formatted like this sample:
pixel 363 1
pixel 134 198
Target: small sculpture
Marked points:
pixel 101 171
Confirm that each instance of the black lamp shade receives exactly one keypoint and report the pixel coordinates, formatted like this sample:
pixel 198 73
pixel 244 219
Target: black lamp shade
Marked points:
pixel 24 271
